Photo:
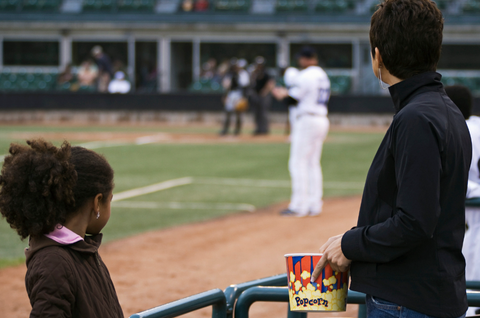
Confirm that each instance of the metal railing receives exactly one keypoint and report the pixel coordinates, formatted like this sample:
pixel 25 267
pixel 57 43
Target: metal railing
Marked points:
pixel 236 300
pixel 214 298
pixel 280 294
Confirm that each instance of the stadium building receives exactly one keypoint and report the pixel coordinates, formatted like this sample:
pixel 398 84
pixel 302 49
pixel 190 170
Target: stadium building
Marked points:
pixel 167 46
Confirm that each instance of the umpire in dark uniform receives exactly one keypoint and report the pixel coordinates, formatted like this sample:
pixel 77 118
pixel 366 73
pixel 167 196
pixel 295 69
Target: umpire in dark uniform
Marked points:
pixel 406 251
pixel 260 97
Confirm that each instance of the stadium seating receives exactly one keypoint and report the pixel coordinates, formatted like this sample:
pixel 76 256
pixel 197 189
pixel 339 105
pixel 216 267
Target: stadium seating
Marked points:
pixel 240 6
pixel 41 5
pixel 231 5
pixel 442 4
pixel 9 5
pixel 340 84
pixel 206 86
pixel 334 5
pixel 473 83
pixel 136 5
pixel 471 6
pixel 21 81
pixel 98 5
pixel 291 5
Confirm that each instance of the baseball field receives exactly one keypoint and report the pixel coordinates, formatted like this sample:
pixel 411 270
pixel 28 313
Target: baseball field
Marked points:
pixel 194 211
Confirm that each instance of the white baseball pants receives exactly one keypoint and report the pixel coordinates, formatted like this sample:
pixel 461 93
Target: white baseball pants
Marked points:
pixel 308 134
pixel 471 248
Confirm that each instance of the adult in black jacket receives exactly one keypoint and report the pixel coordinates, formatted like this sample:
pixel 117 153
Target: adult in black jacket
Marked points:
pixel 406 251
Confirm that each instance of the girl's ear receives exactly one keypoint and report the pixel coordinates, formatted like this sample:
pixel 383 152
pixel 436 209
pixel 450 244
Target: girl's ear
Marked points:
pixel 96 202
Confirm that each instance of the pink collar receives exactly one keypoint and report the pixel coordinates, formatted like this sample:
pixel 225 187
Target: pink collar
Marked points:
pixel 63 235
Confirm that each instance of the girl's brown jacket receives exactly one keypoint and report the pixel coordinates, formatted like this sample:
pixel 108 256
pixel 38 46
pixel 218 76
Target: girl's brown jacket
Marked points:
pixel 69 280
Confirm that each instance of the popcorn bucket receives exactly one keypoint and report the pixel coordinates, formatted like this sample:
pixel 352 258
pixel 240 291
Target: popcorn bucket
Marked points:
pixel 327 293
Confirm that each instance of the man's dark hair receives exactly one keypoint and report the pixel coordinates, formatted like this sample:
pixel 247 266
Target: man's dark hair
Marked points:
pixel 408 34
pixel 462 97
pixel 308 52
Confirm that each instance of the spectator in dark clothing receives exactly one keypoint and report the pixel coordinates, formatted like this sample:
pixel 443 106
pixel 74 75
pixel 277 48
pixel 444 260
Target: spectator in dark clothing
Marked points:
pixel 260 97
pixel 105 69
pixel 406 251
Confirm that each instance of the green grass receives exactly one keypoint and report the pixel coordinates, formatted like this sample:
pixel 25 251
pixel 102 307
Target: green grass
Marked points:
pixel 346 158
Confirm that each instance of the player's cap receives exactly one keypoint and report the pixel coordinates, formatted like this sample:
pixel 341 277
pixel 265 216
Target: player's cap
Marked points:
pixel 306 51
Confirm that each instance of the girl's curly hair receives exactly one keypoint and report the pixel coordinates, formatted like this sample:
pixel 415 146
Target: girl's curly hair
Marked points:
pixel 42 184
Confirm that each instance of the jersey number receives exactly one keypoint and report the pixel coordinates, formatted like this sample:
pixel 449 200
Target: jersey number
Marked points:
pixel 323 95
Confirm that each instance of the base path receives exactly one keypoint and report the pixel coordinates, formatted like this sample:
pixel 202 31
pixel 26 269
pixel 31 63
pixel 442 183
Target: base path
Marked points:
pixel 162 266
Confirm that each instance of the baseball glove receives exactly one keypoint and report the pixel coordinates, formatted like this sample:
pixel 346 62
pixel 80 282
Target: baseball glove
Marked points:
pixel 242 105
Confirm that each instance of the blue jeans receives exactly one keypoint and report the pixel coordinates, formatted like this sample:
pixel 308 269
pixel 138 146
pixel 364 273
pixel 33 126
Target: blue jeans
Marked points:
pixel 379 308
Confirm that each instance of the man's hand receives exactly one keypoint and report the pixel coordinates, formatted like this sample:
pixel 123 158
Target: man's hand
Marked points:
pixel 333 255
pixel 279 92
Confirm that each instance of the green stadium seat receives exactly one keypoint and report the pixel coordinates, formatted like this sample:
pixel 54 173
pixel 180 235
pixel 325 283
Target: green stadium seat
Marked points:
pixel 471 6
pixel 136 5
pixel 206 86
pixel 338 6
pixel 9 5
pixel 41 5
pixel 340 84
pixel 291 5
pixel 98 5
pixel 473 83
pixel 442 4
pixel 231 5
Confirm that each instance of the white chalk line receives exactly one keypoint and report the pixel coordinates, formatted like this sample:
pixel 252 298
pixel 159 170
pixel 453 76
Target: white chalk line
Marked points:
pixel 152 188
pixel 272 183
pixel 199 205
pixel 107 144
pixel 185 205
pixel 220 181
pixel 152 139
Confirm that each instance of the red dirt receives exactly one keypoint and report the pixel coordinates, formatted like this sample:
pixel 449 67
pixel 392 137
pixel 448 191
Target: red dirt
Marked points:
pixel 162 266
pixel 172 137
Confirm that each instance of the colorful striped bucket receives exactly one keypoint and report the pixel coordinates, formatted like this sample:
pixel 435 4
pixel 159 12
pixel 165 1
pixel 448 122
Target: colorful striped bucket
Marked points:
pixel 327 293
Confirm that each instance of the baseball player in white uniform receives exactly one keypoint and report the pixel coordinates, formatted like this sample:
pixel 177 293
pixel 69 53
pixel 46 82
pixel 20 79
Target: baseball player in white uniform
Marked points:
pixel 462 97
pixel 289 78
pixel 310 93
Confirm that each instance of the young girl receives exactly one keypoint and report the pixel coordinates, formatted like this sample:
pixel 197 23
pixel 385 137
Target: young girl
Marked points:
pixel 60 198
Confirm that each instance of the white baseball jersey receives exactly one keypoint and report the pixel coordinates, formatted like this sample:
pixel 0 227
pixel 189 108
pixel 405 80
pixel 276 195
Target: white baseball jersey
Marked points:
pixel 471 243
pixel 473 190
pixel 312 91
pixel 290 76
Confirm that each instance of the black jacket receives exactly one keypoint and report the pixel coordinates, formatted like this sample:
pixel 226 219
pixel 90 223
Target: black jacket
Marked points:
pixel 69 280
pixel 407 246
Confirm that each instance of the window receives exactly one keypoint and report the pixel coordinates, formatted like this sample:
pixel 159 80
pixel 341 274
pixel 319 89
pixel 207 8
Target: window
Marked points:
pixel 329 55
pixel 31 53
pixel 222 52
pixel 460 57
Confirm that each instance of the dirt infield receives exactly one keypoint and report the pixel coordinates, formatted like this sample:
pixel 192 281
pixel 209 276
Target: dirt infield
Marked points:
pixel 162 266
pixel 170 137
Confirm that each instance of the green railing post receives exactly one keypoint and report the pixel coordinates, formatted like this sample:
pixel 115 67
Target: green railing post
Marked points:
pixel 233 291
pixel 277 294
pixel 473 285
pixel 362 311
pixel 214 298
pixel 474 202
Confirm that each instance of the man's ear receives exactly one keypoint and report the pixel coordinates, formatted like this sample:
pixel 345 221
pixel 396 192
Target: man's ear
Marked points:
pixel 378 57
